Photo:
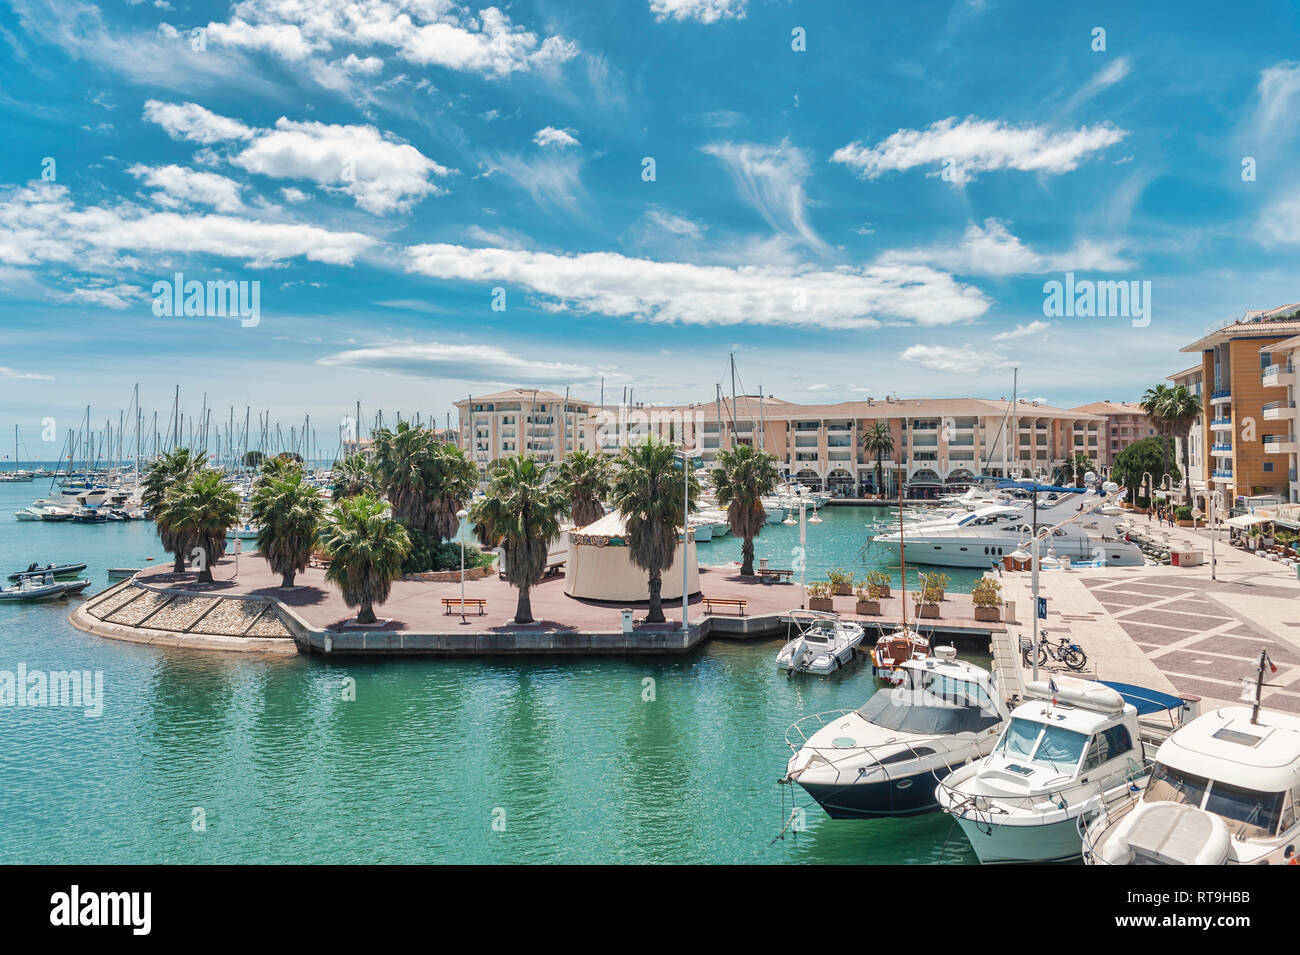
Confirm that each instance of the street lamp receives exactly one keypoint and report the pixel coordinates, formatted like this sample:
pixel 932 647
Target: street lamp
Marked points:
pixel 460 532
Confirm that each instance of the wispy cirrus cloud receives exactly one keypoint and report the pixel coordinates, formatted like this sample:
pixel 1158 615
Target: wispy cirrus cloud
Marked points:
pixel 992 249
pixel 474 364
pixel 771 179
pixel 618 286
pixel 962 149
pixel 954 359
pixel 13 373
pixel 703 11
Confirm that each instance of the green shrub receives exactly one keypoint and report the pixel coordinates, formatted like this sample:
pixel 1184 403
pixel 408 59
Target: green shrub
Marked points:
pixel 428 553
pixel 1183 513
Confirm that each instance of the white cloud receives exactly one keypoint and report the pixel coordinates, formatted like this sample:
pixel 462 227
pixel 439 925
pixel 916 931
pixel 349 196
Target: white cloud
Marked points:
pixel 661 220
pixel 380 175
pixel 1279 224
pixel 178 186
pixel 992 249
pixel 962 149
pixel 108 296
pixel 192 122
pixel 6 372
pixel 1279 98
pixel 294 195
pixel 480 364
pixel 968 360
pixel 366 65
pixel 40 224
pixel 556 138
pixel 550 180
pixel 771 178
pixel 1110 74
pixel 615 285
pixel 705 11
pixel 1022 331
pixel 424 32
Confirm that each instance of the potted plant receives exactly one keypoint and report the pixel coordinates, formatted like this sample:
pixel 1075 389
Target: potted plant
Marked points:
pixel 819 596
pixel 927 600
pixel 841 582
pixel 868 602
pixel 1183 515
pixel 879 580
pixel 987 597
pixel 937 584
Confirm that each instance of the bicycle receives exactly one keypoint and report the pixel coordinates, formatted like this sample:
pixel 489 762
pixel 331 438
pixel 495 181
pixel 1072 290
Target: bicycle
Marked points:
pixel 1071 654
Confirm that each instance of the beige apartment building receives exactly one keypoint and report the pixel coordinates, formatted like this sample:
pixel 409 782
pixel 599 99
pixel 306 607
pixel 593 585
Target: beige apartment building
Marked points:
pixel 1248 376
pixel 1126 423
pixel 940 442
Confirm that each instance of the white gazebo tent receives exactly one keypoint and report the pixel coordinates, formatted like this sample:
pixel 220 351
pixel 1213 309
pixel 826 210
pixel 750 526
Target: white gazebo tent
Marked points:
pixel 600 568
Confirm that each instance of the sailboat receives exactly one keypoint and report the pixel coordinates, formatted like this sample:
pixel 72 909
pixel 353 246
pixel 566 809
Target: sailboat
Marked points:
pixel 892 650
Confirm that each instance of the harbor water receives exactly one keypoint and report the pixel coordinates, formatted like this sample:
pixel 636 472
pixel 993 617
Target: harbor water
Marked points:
pixel 224 758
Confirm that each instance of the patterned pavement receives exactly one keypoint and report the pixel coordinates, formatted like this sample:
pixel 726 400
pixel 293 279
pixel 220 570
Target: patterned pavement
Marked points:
pixel 1201 645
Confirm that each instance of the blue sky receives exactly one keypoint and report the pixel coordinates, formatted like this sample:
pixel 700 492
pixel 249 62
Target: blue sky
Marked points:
pixel 875 213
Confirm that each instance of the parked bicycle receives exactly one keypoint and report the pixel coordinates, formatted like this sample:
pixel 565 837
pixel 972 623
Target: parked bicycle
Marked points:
pixel 1063 651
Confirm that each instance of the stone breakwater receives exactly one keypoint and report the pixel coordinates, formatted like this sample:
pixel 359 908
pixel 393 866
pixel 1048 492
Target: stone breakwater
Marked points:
pixel 137 613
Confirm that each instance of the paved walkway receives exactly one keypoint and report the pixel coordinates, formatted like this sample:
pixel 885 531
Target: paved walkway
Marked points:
pixel 1177 629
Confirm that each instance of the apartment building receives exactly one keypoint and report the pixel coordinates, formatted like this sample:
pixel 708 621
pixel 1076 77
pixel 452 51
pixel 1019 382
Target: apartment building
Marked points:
pixel 941 442
pixel 1193 379
pixel 1126 423
pixel 1251 428
pixel 521 421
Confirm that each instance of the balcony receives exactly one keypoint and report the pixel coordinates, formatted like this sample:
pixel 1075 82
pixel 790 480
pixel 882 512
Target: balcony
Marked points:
pixel 1220 424
pixel 1221 450
pixel 1225 473
pixel 1278 376
pixel 1223 394
pixel 1277 410
pixel 1279 444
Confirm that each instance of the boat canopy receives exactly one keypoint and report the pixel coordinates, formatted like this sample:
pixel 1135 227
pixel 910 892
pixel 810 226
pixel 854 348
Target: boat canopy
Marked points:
pixel 1040 488
pixel 1147 701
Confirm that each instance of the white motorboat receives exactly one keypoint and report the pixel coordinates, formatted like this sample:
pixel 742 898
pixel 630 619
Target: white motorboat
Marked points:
pixel 823 643
pixel 774 509
pixel 701 529
pixel 1225 790
pixel 33 588
pixel 246 531
pixel 883 758
pixel 983 537
pixel 27 514
pixel 1062 757
pixel 51 510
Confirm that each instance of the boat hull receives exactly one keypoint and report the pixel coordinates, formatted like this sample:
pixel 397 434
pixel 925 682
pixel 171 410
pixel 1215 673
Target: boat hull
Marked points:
pixel 995 842
pixel 906 796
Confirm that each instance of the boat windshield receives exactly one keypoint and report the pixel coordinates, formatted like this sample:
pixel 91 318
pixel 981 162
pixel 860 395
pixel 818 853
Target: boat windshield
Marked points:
pixel 1258 812
pixel 937 706
pixel 1036 742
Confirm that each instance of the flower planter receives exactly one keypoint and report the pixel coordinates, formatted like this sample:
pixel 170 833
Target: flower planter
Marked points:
pixel 821 603
pixel 989 614
pixel 930 610
pixel 884 590
pixel 1186 523
pixel 868 608
pixel 842 590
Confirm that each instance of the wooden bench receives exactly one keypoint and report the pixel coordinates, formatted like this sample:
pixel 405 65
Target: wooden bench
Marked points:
pixel 455 603
pixel 769 574
pixel 730 603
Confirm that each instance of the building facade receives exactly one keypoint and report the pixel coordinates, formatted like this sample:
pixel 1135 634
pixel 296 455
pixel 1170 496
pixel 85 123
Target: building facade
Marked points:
pixel 1126 423
pixel 1250 427
pixel 938 442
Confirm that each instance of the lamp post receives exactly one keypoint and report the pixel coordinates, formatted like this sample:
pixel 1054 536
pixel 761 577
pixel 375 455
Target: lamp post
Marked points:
pixel 460 532
pixel 1211 503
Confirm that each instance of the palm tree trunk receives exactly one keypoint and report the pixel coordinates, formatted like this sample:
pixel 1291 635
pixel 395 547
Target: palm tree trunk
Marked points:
pixel 178 565
pixel 286 579
pixel 524 608
pixel 366 614
pixel 879 491
pixel 747 557
pixel 205 573
pixel 656 614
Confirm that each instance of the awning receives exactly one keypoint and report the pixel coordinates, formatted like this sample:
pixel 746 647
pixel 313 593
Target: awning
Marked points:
pixel 1247 520
pixel 1146 700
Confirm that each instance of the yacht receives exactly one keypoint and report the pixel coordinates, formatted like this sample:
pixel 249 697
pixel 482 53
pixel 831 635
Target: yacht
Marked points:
pixel 51 510
pixel 883 758
pixel 1067 752
pixel 1225 790
pixel 823 643
pixel 27 514
pixel 984 536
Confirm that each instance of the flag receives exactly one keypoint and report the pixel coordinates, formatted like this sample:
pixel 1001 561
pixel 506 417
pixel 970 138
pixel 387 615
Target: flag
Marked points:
pixel 1272 667
pixel 1247 691
pixel 1051 685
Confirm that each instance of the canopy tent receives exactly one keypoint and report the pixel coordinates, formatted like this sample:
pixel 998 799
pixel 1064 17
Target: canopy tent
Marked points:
pixel 1247 520
pixel 600 566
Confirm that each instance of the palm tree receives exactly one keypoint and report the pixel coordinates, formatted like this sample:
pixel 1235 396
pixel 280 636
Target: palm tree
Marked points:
pixel 203 509
pixel 426 482
pixel 647 490
pixel 1153 403
pixel 366 551
pixel 352 476
pixel 173 469
pixel 279 467
pixel 1181 409
pixel 288 510
pixel 585 477
pixel 879 441
pixel 521 513
pixel 740 480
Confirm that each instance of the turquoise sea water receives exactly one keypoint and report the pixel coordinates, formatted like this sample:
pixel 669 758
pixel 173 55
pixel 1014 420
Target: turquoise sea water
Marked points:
pixel 567 753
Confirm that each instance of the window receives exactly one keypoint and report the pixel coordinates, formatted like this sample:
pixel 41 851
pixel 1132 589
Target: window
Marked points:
pixel 1257 811
pixel 1268 466
pixel 1171 785
pixel 1107 745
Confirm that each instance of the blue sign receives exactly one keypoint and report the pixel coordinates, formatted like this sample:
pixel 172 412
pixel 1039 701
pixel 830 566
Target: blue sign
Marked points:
pixel 1042 608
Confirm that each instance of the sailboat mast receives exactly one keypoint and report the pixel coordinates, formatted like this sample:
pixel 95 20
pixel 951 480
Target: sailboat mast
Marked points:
pixel 902 552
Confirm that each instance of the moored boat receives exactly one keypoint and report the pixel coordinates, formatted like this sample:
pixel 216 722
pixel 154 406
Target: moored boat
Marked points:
pixel 823 643
pixel 892 650
pixel 55 570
